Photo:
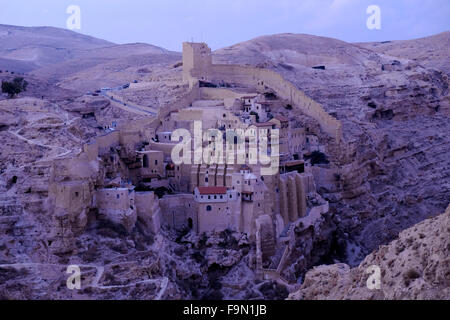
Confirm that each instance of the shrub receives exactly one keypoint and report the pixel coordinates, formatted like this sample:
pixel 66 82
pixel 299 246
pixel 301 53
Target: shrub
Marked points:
pixel 15 87
pixel 318 157
pixel 270 95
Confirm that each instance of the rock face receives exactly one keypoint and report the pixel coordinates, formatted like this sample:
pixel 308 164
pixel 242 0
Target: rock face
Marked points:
pixel 394 105
pixel 415 266
pixel 430 51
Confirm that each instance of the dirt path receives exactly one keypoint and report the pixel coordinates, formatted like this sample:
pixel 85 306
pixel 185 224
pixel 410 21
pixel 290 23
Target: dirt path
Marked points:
pixel 163 281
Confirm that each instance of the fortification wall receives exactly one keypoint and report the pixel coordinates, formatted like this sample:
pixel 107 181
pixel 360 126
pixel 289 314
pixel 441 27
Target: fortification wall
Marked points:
pixel 79 167
pixel 166 148
pixel 91 150
pixel 105 142
pixel 148 210
pixel 197 65
pixel 185 101
pixel 220 94
pixel 257 77
pixel 177 210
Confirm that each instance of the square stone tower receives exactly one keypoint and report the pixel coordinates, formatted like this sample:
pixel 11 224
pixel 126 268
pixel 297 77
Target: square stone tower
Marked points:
pixel 197 61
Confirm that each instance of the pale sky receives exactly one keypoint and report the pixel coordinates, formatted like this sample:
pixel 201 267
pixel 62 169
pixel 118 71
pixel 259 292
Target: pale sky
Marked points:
pixel 220 23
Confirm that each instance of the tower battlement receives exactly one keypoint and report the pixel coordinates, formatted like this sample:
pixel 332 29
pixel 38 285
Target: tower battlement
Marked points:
pixel 197 60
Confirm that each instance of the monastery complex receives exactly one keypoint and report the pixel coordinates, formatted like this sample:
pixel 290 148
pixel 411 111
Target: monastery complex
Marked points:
pixel 128 174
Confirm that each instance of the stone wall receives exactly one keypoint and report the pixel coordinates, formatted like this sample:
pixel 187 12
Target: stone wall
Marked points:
pixel 106 141
pixel 117 205
pixel 177 210
pixel 197 65
pixel 257 77
pixel 148 210
pixel 292 197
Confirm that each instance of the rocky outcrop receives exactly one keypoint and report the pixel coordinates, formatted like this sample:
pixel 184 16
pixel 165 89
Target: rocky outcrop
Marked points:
pixel 415 266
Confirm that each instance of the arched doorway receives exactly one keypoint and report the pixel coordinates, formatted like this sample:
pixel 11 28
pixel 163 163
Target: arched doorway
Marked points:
pixel 190 223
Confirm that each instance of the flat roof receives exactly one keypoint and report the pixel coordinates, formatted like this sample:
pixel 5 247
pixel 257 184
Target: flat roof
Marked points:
pixel 294 163
pixel 264 124
pixel 282 118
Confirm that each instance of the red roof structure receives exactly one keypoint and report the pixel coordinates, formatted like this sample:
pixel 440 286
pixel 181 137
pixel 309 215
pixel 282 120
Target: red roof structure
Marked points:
pixel 212 190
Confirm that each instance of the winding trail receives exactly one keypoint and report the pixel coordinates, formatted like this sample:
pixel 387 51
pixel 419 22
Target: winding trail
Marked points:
pixel 162 282
pixel 60 155
pixel 127 106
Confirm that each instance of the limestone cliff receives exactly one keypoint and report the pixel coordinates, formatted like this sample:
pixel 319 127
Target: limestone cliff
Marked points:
pixel 414 266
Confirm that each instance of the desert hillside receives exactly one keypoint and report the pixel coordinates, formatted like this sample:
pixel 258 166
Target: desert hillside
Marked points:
pixel 430 51
pixel 414 266
pixel 77 62
pixel 23 49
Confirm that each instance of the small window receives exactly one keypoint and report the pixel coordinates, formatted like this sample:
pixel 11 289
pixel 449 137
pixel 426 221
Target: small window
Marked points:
pixel 208 208
pixel 118 196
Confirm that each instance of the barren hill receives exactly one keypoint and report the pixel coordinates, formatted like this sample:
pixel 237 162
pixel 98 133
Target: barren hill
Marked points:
pixel 108 66
pixel 75 61
pixel 26 48
pixel 430 51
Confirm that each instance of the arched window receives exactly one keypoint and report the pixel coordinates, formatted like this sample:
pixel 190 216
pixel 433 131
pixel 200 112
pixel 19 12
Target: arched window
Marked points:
pixel 208 208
